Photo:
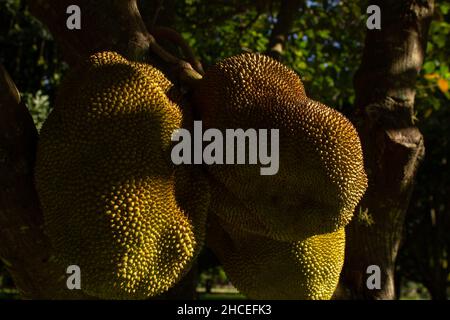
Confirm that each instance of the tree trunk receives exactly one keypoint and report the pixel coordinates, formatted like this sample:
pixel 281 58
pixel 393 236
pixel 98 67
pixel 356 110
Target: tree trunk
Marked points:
pixel 392 144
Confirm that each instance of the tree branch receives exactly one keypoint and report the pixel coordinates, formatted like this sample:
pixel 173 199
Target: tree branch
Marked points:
pixel 171 35
pixel 289 11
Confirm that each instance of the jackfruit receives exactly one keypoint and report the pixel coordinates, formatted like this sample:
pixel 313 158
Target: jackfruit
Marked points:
pixel 321 175
pixel 263 268
pixel 113 202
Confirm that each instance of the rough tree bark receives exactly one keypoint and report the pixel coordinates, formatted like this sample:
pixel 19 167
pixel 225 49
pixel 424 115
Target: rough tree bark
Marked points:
pixel 24 248
pixel 392 144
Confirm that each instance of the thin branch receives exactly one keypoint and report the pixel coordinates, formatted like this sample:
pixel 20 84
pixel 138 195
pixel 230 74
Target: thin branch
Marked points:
pixel 185 71
pixel 173 36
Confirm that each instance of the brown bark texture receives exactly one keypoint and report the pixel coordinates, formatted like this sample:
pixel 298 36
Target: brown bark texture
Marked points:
pixel 392 144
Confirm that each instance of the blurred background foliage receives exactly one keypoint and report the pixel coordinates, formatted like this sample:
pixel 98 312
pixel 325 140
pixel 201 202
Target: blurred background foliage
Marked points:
pixel 325 48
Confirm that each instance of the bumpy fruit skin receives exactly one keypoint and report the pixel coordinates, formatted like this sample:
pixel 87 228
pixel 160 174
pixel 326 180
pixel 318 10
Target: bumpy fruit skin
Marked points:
pixel 113 202
pixel 321 175
pixel 263 268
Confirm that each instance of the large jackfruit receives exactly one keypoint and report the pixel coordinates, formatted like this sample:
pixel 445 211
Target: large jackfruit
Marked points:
pixel 263 268
pixel 113 202
pixel 321 176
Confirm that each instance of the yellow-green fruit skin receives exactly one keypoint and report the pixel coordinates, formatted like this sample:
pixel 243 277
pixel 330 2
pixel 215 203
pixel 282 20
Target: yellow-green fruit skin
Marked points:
pixel 321 174
pixel 263 268
pixel 113 202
